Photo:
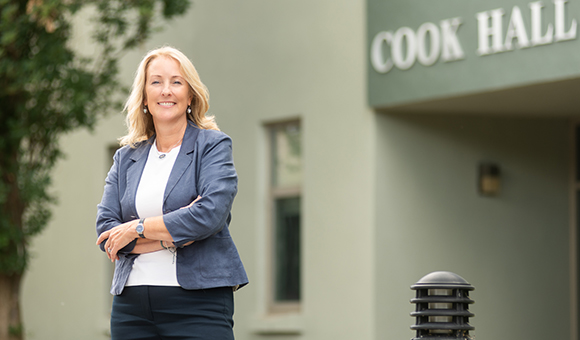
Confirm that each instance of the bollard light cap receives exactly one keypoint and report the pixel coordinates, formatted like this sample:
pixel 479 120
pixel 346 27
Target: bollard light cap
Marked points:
pixel 442 280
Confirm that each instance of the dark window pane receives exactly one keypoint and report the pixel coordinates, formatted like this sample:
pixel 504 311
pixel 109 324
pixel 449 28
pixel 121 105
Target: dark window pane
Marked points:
pixel 287 243
pixel 577 137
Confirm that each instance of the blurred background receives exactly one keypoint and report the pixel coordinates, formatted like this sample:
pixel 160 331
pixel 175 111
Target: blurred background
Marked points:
pixel 375 142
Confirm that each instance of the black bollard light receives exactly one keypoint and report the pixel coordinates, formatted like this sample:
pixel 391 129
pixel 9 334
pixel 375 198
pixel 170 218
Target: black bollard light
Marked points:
pixel 441 310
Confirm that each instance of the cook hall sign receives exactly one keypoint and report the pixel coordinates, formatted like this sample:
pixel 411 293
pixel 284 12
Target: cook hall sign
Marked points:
pixel 431 42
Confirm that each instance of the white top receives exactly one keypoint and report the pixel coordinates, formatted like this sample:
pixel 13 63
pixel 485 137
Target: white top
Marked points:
pixel 157 268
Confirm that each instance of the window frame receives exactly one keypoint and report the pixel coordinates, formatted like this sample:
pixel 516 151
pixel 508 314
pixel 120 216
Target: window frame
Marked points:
pixel 275 193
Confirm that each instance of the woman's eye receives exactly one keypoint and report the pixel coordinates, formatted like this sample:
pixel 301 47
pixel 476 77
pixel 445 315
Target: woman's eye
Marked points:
pixel 177 82
pixel 154 82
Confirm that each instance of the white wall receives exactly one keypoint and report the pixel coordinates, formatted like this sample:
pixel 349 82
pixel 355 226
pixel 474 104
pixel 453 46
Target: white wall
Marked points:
pixel 513 249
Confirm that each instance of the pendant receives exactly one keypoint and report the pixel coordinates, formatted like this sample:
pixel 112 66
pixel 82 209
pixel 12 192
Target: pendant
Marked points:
pixel 162 156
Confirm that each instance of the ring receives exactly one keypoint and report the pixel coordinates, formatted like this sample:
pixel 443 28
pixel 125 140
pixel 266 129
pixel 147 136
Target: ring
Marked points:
pixel 109 250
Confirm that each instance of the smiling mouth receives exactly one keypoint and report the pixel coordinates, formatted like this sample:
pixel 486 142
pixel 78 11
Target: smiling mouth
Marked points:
pixel 166 104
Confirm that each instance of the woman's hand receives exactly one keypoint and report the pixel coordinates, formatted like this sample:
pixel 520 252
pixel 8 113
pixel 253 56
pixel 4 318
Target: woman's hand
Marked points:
pixel 121 235
pixel 117 238
pixel 190 204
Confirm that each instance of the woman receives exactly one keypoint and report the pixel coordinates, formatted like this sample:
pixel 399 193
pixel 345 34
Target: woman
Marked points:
pixel 165 211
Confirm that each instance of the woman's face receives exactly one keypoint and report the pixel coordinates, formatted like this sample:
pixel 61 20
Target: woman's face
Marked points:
pixel 166 91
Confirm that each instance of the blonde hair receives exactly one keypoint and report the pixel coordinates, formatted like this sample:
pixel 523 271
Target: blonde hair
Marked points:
pixel 140 124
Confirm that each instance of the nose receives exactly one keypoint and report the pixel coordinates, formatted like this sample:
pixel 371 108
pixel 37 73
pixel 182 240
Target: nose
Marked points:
pixel 166 91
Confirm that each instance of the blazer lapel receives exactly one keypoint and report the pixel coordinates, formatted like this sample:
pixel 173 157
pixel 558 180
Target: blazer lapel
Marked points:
pixel 184 158
pixel 134 172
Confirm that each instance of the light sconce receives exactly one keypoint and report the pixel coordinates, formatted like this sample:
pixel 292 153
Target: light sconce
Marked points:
pixel 489 179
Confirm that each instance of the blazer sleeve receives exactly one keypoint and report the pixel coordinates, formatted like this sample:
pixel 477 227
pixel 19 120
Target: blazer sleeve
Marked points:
pixel 109 212
pixel 217 184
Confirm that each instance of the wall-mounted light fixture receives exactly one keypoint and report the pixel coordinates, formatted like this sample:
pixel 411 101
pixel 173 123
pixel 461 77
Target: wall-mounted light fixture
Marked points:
pixel 489 179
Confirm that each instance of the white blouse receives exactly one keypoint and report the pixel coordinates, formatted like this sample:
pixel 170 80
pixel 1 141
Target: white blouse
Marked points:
pixel 157 268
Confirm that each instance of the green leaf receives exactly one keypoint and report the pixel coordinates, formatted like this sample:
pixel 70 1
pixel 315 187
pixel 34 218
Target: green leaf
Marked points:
pixel 8 37
pixel 174 7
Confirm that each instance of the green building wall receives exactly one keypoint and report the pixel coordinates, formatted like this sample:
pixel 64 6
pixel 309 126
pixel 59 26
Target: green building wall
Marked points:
pixel 513 248
pixel 387 198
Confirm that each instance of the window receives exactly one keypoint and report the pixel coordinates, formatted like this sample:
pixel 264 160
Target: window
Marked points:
pixel 285 191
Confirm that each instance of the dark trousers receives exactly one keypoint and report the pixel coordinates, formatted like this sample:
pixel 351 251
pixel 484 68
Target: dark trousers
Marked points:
pixel 163 313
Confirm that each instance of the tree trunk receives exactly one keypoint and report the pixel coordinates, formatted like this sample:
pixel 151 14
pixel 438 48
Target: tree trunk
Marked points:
pixel 10 319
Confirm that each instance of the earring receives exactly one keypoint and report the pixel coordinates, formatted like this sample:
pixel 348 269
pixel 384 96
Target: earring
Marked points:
pixel 145 109
pixel 188 109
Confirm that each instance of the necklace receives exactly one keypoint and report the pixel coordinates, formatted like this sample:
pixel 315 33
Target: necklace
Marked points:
pixel 163 154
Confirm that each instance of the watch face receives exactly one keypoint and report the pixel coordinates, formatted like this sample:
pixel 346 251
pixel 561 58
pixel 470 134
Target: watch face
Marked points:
pixel 139 229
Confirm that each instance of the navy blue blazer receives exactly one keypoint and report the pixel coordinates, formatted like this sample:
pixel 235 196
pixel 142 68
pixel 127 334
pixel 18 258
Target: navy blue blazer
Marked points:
pixel 205 167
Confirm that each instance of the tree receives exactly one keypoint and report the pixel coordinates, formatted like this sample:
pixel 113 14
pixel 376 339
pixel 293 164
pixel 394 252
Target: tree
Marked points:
pixel 46 90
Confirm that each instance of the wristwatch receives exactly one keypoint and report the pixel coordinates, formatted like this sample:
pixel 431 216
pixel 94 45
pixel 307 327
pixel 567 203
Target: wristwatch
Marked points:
pixel 140 229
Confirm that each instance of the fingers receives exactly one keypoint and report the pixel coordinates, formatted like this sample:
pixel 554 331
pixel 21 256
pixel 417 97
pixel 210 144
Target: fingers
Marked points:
pixel 104 235
pixel 188 206
pixel 191 204
pixel 112 252
pixel 109 249
pixel 113 242
pixel 116 238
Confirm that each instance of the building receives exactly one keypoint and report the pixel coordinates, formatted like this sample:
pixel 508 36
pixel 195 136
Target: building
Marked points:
pixel 380 114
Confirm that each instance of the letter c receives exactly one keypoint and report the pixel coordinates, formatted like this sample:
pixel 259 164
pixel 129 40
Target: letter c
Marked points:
pixel 380 64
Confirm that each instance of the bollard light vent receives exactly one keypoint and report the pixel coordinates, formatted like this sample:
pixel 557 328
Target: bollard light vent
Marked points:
pixel 441 312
